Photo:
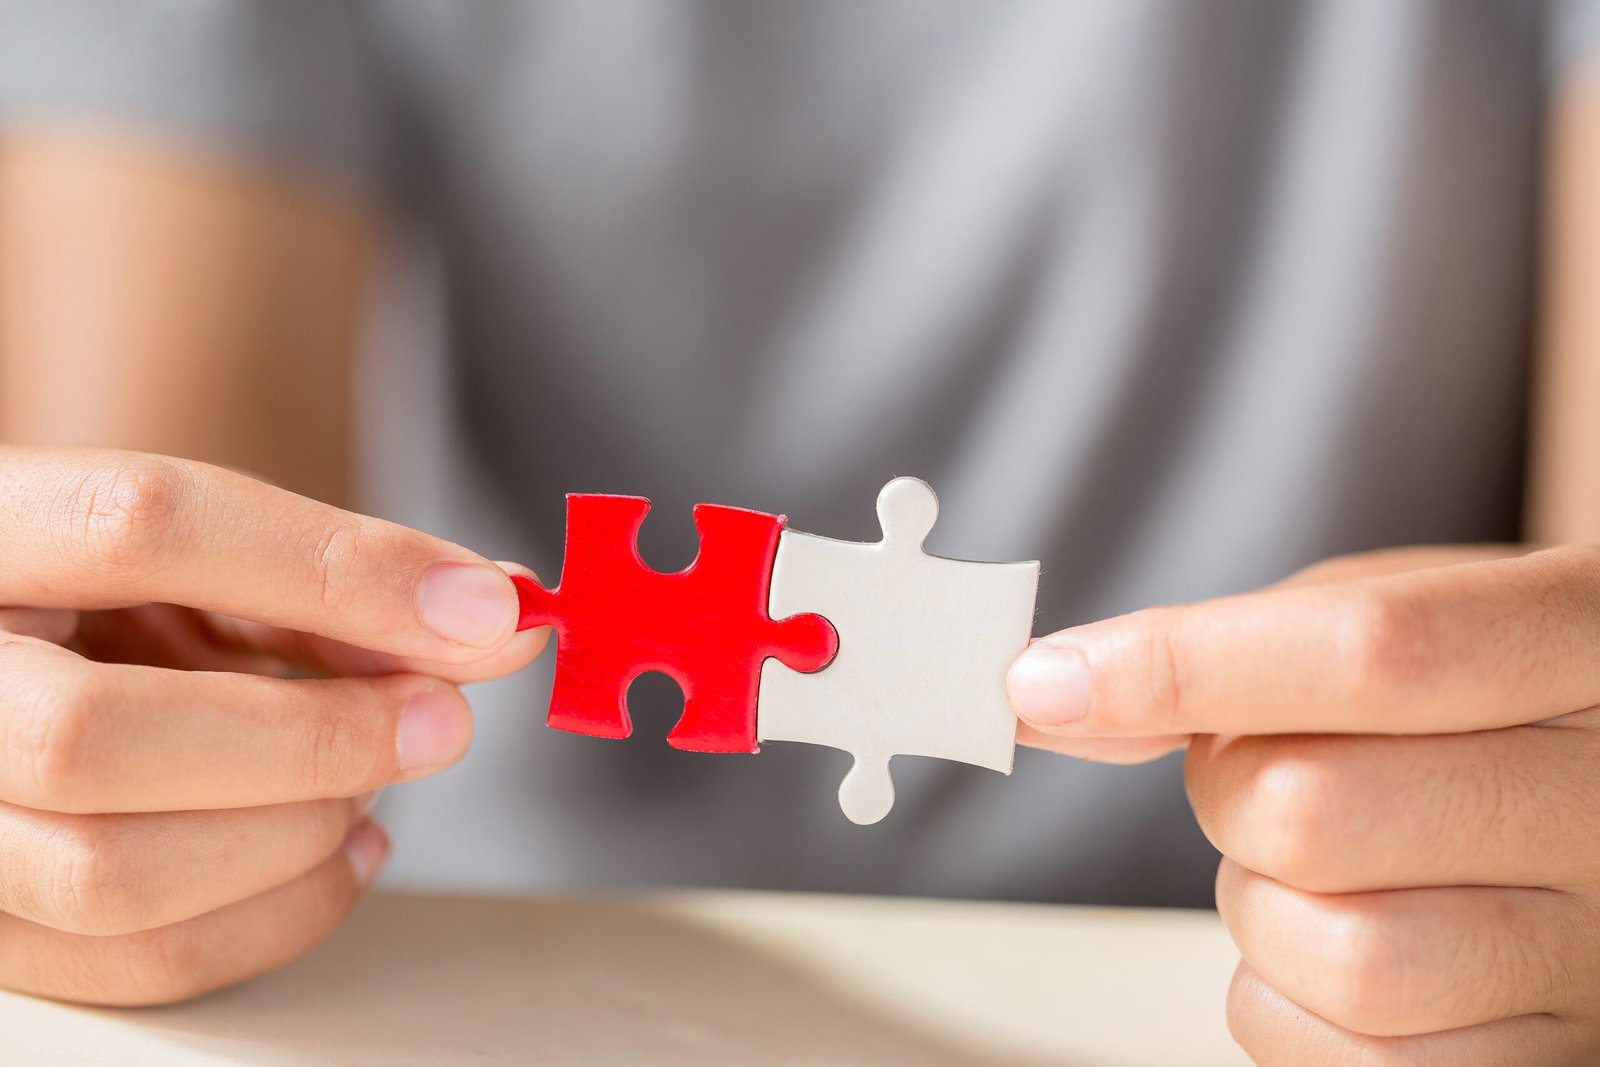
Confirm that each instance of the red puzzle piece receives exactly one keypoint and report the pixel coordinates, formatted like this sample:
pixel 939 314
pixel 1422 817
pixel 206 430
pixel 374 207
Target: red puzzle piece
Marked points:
pixel 705 626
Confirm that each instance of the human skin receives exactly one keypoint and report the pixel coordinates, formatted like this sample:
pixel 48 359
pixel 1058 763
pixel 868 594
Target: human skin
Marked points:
pixel 1398 767
pixel 176 812
pixel 1396 752
pixel 291 290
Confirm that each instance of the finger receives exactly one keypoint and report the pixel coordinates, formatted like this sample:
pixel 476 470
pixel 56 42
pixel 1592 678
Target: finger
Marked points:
pixel 118 874
pixel 177 962
pixel 1277 1032
pixel 1321 812
pixel 325 656
pixel 1413 961
pixel 56 625
pixel 1121 750
pixel 1449 649
pixel 95 529
pixel 166 635
pixel 85 737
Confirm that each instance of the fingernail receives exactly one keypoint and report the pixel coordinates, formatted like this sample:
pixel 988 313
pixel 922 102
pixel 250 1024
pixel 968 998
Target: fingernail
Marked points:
pixel 365 847
pixel 435 727
pixel 467 603
pixel 1049 686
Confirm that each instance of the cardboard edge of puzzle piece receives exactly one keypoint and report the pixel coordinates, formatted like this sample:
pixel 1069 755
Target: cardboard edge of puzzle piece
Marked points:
pixel 924 644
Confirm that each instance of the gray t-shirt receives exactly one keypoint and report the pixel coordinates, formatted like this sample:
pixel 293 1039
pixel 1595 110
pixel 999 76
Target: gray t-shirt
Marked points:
pixel 1174 296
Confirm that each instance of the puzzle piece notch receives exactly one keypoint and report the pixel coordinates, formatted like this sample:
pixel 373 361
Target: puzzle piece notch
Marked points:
pixel 867 792
pixel 925 644
pixel 907 511
pixel 706 626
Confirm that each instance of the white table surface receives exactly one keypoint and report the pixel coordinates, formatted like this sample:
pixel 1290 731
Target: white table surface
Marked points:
pixel 659 980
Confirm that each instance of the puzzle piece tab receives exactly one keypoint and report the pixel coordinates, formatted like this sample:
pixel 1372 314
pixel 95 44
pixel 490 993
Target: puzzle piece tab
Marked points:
pixel 924 647
pixel 706 626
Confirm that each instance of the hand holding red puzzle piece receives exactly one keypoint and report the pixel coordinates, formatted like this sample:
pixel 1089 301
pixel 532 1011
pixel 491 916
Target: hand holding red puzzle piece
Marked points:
pixel 877 648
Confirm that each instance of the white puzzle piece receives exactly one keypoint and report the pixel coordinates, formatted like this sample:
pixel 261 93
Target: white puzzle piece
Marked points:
pixel 924 644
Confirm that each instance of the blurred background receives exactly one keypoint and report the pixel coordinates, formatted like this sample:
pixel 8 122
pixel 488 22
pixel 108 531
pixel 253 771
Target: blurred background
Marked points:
pixel 1176 297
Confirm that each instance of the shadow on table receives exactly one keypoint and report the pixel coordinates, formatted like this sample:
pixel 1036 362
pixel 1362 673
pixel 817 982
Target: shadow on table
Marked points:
pixel 561 982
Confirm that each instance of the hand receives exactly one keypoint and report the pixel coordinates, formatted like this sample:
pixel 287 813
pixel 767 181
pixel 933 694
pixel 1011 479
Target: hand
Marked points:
pixel 1399 758
pixel 174 814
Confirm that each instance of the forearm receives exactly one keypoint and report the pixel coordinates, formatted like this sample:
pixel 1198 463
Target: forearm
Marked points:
pixel 156 300
pixel 1564 477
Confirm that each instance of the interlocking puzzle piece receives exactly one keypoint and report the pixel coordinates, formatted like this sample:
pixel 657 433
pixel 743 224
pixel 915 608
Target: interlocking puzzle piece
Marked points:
pixel 705 626
pixel 924 644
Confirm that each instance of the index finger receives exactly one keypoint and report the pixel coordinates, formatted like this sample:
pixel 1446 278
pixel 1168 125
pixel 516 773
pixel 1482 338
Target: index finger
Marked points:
pixel 1472 646
pixel 98 529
